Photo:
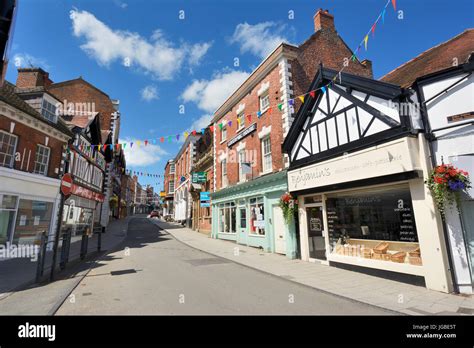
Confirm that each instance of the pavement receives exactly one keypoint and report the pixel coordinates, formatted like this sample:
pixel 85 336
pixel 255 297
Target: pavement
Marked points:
pixel 384 293
pixel 153 273
pixel 20 295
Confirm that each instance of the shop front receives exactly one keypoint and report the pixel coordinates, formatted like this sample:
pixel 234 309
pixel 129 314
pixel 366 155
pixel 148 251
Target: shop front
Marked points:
pixel 28 205
pixel 249 214
pixel 357 167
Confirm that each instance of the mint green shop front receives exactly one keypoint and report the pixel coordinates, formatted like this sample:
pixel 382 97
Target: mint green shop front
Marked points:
pixel 233 215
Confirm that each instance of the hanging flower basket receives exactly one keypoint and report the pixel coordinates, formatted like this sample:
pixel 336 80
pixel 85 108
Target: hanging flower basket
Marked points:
pixel 447 182
pixel 289 206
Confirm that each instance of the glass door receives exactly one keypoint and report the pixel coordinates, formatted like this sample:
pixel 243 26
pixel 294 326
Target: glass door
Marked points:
pixel 316 242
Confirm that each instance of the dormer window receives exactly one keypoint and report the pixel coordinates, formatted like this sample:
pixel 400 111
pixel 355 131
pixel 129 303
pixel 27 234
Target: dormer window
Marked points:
pixel 48 110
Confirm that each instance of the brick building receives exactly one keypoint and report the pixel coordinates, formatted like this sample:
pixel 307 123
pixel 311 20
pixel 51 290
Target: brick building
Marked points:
pixel 32 147
pixel 80 98
pixel 184 161
pixel 204 163
pixel 249 129
pixel 168 189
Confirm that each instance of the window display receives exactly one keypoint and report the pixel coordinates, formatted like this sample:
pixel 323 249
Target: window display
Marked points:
pixel 257 216
pixel 227 218
pixel 374 224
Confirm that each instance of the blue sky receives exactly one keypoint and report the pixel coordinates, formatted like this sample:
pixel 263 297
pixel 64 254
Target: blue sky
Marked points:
pixel 190 61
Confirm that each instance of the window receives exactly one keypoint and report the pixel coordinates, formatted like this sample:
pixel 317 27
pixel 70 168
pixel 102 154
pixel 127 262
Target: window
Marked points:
pixel 227 218
pixel 241 121
pixel 264 103
pixel 33 219
pixel 171 186
pixel 374 214
pixel 48 110
pixel 242 176
pixel 7 216
pixel 224 172
pixel 172 168
pixel 257 216
pixel 266 155
pixel 41 160
pixel 223 133
pixel 7 149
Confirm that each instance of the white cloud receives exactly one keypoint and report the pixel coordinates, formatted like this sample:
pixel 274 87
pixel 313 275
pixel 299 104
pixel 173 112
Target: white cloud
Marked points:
pixel 149 93
pixel 121 4
pixel 157 56
pixel 25 60
pixel 201 122
pixel 142 155
pixel 259 39
pixel 210 94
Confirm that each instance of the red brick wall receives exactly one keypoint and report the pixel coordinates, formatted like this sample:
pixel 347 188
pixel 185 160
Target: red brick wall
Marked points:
pixel 167 178
pixel 252 142
pixel 28 138
pixel 78 91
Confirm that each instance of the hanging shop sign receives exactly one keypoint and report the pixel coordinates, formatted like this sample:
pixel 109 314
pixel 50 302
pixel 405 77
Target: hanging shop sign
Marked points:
pixel 250 129
pixel 199 177
pixel 205 198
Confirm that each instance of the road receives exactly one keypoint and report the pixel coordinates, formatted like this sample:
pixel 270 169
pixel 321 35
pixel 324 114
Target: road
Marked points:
pixel 153 273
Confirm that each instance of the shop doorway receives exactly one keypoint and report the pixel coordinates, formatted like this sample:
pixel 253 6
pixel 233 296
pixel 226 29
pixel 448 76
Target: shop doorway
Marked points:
pixel 242 224
pixel 315 223
pixel 279 230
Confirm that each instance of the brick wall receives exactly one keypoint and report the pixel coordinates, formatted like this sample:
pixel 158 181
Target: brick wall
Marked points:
pixel 252 141
pixel 28 139
pixel 79 91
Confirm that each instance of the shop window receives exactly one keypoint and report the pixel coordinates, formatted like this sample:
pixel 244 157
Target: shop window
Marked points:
pixel 266 155
pixel 257 216
pixel 33 218
pixel 384 214
pixel 7 216
pixel 227 218
pixel 77 221
pixel 8 144
pixel 41 160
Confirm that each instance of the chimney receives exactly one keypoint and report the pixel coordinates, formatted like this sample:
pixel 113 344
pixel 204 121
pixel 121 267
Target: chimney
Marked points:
pixel 323 20
pixel 32 77
pixel 368 65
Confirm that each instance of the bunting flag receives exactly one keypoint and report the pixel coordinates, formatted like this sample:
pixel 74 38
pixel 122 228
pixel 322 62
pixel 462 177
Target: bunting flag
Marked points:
pixel 290 102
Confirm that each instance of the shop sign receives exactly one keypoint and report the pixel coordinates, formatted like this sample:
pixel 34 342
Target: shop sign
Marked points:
pixel 199 177
pixel 250 129
pixel 162 194
pixel 394 157
pixel 205 198
pixel 86 193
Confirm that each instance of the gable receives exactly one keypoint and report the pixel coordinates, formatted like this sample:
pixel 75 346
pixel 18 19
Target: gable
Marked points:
pixel 353 112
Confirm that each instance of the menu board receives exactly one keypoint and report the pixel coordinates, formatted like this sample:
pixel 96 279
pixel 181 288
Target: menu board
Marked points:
pixel 332 221
pixel 407 225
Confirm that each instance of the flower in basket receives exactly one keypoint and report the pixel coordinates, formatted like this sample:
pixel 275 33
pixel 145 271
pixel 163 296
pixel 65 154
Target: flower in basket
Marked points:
pixel 289 206
pixel 447 183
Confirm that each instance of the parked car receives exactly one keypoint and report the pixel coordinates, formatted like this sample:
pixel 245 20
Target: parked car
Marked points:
pixel 154 214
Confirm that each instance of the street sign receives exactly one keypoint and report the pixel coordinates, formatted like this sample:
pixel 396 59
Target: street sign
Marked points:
pixel 204 196
pixel 66 184
pixel 205 204
pixel 199 177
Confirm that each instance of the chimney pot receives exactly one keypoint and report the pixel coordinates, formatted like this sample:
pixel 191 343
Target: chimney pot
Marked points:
pixel 323 20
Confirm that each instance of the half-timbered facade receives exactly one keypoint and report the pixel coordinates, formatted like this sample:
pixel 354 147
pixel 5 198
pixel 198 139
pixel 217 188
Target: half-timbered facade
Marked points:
pixel 358 161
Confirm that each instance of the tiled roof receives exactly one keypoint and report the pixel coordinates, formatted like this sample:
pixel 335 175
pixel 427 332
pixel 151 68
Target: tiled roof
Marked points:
pixel 436 58
pixel 81 121
pixel 8 95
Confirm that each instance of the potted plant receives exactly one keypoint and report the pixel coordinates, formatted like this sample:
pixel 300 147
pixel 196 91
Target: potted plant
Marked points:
pixel 289 206
pixel 447 183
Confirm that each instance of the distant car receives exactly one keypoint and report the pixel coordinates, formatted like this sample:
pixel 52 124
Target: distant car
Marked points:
pixel 154 214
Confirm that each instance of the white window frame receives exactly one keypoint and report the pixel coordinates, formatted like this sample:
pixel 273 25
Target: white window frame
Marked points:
pixel 50 115
pixel 12 161
pixel 241 117
pixel 265 155
pixel 172 168
pixel 224 173
pixel 46 165
pixel 264 106
pixel 223 134
pixel 169 186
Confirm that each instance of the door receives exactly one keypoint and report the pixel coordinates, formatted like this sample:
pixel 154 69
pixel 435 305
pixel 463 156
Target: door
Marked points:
pixel 467 209
pixel 279 230
pixel 316 243
pixel 242 225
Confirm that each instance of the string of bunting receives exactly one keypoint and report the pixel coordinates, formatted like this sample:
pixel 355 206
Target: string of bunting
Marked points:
pixel 279 106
